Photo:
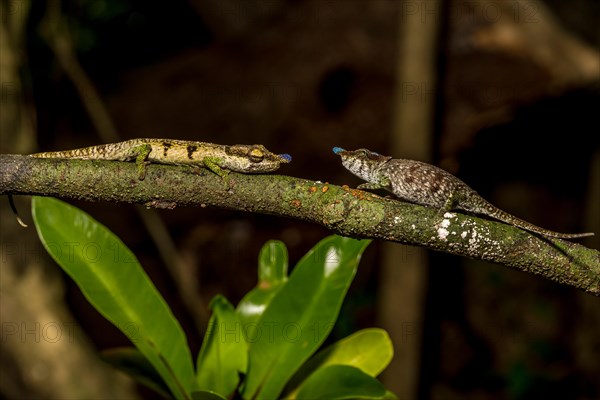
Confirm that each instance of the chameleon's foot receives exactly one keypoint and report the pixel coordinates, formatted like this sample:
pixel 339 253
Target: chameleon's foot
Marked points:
pixel 142 167
pixel 448 205
pixel 382 183
pixel 142 152
pixel 226 179
pixel 212 164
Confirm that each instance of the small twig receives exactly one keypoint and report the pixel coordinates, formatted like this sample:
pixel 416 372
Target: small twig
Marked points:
pixel 11 201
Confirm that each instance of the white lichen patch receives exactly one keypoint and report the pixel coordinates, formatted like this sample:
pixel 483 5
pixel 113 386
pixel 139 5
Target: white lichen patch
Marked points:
pixel 480 243
pixel 477 237
pixel 397 219
pixel 442 233
pixel 474 238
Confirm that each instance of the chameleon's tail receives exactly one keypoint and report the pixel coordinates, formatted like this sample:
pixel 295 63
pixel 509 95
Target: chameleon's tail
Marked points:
pixel 496 213
pixel 121 151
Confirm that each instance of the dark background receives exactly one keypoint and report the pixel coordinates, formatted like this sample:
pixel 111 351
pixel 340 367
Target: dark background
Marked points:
pixel 302 76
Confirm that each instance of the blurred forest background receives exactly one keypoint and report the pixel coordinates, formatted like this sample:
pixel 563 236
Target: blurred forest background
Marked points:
pixel 504 94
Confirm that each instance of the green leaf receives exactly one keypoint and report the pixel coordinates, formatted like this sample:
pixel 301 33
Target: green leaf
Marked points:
pixel 301 315
pixel 113 281
pixel 272 276
pixel 133 363
pixel 369 350
pixel 224 353
pixel 206 395
pixel 341 382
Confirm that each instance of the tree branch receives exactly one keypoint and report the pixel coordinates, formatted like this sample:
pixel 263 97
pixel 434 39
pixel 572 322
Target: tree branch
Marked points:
pixel 345 211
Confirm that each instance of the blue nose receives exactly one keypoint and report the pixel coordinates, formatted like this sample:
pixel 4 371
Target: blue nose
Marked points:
pixel 338 150
pixel 286 157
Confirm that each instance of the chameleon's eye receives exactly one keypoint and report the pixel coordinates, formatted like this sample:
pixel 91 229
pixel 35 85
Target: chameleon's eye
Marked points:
pixel 256 155
pixel 369 155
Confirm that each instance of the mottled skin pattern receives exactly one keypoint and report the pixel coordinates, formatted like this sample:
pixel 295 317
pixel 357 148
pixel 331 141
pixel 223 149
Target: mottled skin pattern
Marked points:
pixel 425 184
pixel 218 158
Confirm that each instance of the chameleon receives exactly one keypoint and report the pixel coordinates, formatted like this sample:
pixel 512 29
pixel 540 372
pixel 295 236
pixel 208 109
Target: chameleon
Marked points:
pixel 218 158
pixel 425 184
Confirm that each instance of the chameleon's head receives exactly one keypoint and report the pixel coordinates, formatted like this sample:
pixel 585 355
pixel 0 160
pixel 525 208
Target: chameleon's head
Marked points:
pixel 362 162
pixel 253 159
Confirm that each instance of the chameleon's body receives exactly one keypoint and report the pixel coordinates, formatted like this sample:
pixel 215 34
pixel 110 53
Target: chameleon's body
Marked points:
pixel 218 158
pixel 428 185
